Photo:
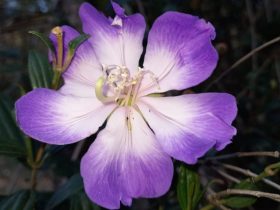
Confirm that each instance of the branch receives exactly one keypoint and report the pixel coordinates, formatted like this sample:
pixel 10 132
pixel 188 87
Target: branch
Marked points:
pixel 247 172
pixel 241 60
pixel 258 194
pixel 227 176
pixel 274 154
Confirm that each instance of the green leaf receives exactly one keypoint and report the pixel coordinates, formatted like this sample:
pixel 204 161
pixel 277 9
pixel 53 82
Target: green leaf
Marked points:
pixel 74 185
pixel 11 138
pixel 75 43
pixel 39 70
pixel 45 39
pixel 189 190
pixel 242 201
pixel 81 202
pixel 22 200
pixel 11 149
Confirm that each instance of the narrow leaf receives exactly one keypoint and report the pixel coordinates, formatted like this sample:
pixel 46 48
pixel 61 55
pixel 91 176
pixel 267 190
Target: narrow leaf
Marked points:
pixel 73 186
pixel 12 149
pixel 23 200
pixel 80 201
pixel 11 138
pixel 75 43
pixel 39 70
pixel 189 190
pixel 45 39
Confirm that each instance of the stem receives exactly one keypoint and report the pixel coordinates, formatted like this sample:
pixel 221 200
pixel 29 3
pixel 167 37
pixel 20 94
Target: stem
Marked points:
pixel 33 178
pixel 56 79
pixel 28 146
pixel 40 153
pixel 36 165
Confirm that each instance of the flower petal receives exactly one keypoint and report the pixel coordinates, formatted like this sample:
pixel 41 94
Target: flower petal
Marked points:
pixel 84 70
pixel 54 118
pixel 179 52
pixel 118 41
pixel 188 126
pixel 122 164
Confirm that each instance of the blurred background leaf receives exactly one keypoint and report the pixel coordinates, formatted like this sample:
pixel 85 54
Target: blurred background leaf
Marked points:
pixel 80 201
pixel 71 187
pixel 23 200
pixel 11 138
pixel 40 71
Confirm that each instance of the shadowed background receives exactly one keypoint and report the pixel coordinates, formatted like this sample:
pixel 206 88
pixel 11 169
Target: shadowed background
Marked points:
pixel 241 26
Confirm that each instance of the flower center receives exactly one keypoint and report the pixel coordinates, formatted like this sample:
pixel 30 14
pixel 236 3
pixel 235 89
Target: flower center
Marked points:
pixel 117 85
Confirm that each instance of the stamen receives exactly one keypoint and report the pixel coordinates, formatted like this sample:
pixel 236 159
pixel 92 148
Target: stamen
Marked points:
pixel 141 73
pixel 125 88
pixel 99 91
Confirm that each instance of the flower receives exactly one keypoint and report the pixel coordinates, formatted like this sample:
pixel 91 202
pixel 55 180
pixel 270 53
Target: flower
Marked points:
pixel 131 156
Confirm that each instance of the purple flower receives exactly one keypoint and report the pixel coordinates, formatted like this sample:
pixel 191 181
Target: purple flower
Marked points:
pixel 131 156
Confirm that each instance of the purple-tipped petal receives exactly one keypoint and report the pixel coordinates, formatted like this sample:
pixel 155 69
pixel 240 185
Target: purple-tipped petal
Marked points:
pixel 81 75
pixel 118 9
pixel 188 126
pixel 123 164
pixel 179 52
pixel 54 118
pixel 117 42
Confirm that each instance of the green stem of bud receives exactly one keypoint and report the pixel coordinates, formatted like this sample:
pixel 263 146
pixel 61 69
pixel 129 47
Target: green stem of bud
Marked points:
pixel 56 79
pixel 57 31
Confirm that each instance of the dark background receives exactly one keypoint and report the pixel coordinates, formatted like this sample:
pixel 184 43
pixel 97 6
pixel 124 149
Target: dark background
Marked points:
pixel 241 26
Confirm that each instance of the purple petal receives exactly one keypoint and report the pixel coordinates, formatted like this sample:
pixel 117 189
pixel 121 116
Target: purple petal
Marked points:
pixel 117 42
pixel 84 70
pixel 123 164
pixel 54 118
pixel 118 9
pixel 188 126
pixel 179 52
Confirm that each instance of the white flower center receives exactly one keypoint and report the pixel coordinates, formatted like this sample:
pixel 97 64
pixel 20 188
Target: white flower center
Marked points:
pixel 118 85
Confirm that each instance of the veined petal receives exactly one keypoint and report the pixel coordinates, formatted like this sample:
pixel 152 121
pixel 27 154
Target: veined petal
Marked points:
pixel 118 41
pixel 188 126
pixel 179 52
pixel 125 163
pixel 84 70
pixel 54 118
